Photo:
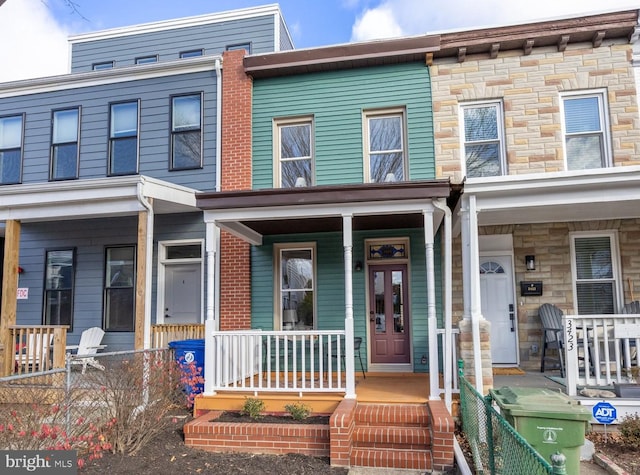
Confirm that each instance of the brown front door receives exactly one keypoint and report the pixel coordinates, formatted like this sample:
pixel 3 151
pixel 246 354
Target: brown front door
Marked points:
pixel 389 314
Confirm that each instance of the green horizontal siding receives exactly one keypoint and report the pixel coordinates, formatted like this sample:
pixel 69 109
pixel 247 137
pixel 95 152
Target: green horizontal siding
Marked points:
pixel 336 100
pixel 330 284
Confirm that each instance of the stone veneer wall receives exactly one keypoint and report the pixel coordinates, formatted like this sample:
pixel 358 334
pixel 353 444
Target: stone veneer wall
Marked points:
pixel 549 242
pixel 529 87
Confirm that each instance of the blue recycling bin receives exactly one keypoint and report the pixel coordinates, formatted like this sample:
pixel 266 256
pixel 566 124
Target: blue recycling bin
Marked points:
pixel 189 352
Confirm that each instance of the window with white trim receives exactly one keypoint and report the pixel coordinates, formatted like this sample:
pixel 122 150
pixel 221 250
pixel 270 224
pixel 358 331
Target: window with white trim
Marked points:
pixel 295 288
pixel 294 152
pixel 11 132
pixel 483 139
pixel 587 142
pixel 595 272
pixel 384 146
pixel 64 144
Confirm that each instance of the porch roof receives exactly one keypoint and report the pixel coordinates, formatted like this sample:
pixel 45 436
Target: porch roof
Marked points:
pixel 93 198
pixel 250 214
pixel 586 195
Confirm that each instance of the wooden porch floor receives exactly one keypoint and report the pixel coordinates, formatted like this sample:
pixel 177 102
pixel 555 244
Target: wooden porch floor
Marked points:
pixel 381 388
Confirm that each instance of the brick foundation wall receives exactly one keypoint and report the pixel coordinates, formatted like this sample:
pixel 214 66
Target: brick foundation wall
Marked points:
pixel 342 424
pixel 259 438
pixel 442 429
pixel 235 264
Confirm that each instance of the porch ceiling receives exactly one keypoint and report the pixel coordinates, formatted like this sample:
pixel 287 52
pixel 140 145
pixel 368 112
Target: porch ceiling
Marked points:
pixel 103 197
pixel 559 197
pixel 252 214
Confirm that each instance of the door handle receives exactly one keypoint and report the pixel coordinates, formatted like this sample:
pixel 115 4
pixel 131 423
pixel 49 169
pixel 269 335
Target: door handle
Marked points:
pixel 512 317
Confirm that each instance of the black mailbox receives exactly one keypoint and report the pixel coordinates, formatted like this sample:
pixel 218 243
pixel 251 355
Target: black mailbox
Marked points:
pixel 529 288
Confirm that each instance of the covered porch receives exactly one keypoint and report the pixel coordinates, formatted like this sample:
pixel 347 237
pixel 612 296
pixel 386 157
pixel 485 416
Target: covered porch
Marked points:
pixel 274 358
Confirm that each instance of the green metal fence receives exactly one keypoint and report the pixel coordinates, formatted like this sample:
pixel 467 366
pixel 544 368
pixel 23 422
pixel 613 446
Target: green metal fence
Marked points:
pixel 496 447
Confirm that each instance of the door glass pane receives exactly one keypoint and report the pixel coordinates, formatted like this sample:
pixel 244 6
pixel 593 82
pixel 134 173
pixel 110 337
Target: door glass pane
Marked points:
pixel 378 278
pixel 398 303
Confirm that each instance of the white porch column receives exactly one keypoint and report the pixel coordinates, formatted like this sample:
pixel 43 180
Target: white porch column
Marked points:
pixel 347 242
pixel 211 323
pixel 432 323
pixel 471 280
pixel 446 304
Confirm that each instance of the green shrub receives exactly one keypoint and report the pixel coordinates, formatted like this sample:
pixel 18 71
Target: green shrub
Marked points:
pixel 253 408
pixel 630 430
pixel 298 410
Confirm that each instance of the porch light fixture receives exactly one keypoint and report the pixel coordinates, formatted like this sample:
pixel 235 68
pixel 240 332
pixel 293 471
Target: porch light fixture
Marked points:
pixel 530 262
pixel 358 266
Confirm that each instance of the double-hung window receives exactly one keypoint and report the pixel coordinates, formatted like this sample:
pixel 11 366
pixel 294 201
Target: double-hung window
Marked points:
pixel 64 144
pixel 123 138
pixel 295 308
pixel 385 150
pixel 587 142
pixel 186 132
pixel 294 152
pixel 59 286
pixel 119 292
pixel 11 132
pixel 483 139
pixel 596 275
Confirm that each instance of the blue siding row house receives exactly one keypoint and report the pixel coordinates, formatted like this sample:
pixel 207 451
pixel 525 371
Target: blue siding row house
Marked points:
pixel 98 174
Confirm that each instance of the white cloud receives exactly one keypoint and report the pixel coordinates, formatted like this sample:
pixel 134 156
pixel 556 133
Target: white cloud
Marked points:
pixel 412 17
pixel 38 45
pixel 376 23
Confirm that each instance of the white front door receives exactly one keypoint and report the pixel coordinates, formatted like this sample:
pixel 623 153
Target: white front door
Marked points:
pixel 497 296
pixel 182 293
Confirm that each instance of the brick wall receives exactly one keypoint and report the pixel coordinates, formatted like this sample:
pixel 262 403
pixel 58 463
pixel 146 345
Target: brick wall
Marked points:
pixel 529 87
pixel 235 288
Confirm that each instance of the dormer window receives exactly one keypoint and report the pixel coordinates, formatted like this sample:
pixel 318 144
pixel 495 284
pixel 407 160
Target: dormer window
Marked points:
pixel 147 59
pixel 102 66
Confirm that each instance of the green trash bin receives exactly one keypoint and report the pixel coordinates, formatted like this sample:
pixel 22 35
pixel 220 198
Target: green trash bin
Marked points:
pixel 549 420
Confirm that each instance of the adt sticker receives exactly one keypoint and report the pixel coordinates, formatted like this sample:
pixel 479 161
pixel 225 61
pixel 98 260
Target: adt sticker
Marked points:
pixel 604 413
pixel 189 357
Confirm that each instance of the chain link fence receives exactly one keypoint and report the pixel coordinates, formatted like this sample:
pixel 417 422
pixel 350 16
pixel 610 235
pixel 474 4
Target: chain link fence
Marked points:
pixel 495 445
pixel 123 398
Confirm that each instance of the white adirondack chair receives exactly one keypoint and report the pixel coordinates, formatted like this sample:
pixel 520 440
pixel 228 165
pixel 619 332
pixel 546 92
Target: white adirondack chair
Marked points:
pixel 90 343
pixel 35 354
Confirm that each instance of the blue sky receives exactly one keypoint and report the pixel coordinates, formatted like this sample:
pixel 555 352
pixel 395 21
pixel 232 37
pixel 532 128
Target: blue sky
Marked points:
pixel 37 30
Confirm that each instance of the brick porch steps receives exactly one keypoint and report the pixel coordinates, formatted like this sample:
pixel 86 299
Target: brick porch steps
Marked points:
pixel 392 436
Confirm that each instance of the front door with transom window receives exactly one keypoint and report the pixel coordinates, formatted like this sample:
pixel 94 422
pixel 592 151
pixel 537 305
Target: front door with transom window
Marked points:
pixel 496 295
pixel 389 320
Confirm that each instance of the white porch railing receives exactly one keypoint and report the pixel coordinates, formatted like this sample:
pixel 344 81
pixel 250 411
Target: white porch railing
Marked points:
pixel 449 382
pixel 600 349
pixel 278 361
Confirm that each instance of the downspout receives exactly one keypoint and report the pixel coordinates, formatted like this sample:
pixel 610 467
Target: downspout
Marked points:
pixel 149 266
pixel 215 287
pixel 447 300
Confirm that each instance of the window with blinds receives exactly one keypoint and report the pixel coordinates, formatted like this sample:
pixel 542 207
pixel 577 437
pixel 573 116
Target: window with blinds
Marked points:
pixel 585 126
pixel 595 274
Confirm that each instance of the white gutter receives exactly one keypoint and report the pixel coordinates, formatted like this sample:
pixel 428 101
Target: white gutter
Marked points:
pixel 447 302
pixel 149 264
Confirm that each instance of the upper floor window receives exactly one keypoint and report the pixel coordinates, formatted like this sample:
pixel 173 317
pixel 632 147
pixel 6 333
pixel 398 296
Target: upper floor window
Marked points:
pixel 484 151
pixel 64 144
pixel 191 53
pixel 585 128
pixel 186 132
pixel 101 66
pixel 11 132
pixel 595 272
pixel 58 287
pixel 385 151
pixel 147 59
pixel 296 288
pixel 294 159
pixel 244 46
pixel 123 138
pixel 120 282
